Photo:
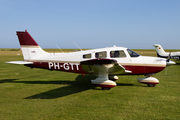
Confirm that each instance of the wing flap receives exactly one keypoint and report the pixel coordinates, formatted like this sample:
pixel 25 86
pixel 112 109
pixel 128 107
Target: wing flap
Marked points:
pixel 110 66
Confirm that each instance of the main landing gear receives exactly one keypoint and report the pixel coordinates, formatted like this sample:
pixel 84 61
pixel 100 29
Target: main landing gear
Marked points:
pixel 103 81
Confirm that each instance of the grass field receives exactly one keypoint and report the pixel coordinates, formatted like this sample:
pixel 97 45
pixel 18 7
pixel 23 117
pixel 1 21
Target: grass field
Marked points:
pixel 30 94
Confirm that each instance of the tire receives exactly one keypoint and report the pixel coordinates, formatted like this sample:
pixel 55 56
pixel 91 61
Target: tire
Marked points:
pixel 104 88
pixel 151 85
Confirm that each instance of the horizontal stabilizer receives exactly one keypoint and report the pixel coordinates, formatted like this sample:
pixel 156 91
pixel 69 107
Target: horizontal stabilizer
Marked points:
pixel 20 62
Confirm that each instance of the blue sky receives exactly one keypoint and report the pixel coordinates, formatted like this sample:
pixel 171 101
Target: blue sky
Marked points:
pixel 136 24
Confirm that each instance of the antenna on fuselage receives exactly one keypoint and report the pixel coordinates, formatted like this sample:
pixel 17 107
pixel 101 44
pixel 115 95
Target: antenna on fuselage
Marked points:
pixel 77 46
pixel 59 49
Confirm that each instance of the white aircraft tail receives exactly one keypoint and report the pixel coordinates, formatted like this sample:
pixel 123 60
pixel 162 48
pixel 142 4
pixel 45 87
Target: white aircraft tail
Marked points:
pixel 29 47
pixel 160 51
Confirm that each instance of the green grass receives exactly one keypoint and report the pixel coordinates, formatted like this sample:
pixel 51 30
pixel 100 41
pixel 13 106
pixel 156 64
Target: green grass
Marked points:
pixel 27 94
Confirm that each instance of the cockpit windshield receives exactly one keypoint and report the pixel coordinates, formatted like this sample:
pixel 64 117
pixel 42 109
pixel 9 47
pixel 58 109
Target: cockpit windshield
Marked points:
pixel 132 53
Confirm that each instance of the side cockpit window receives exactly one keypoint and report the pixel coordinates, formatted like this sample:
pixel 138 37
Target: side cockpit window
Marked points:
pixel 86 56
pixel 101 54
pixel 117 54
pixel 132 53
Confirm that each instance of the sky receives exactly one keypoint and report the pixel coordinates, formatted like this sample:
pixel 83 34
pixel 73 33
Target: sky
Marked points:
pixel 135 24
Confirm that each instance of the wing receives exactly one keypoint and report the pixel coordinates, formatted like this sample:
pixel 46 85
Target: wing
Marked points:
pixel 20 62
pixel 110 66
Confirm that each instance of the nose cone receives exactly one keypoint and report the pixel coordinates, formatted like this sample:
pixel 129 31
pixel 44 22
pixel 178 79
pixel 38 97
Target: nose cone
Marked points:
pixel 169 62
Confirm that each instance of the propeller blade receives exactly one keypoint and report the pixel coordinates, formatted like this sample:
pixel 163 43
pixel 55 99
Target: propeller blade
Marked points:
pixel 169 57
pixel 169 62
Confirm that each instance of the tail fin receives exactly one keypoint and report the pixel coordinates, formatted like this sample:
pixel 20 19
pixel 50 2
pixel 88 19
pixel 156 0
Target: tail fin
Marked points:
pixel 160 51
pixel 30 48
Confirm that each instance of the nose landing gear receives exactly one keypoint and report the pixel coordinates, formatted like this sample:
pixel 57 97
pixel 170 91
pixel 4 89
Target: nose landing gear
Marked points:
pixel 150 81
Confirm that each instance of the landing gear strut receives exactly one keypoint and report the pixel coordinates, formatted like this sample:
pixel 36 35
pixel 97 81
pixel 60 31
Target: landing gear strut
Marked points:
pixel 103 81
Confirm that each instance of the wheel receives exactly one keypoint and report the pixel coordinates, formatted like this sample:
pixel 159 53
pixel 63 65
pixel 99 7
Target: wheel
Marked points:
pixel 113 78
pixel 151 85
pixel 104 88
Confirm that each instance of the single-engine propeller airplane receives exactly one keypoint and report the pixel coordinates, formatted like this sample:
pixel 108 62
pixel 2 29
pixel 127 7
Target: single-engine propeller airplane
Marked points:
pixel 106 63
pixel 161 53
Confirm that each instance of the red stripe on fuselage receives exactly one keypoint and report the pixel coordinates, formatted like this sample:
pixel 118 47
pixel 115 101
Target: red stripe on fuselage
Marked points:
pixel 76 68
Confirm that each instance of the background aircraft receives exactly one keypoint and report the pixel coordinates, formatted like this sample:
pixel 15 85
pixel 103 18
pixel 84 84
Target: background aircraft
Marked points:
pixel 161 53
pixel 106 63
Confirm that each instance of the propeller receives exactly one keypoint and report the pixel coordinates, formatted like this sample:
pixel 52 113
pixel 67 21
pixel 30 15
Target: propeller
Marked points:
pixel 169 62
pixel 169 56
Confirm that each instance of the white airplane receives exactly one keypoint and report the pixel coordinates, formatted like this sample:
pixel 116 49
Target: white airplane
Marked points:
pixel 106 63
pixel 161 53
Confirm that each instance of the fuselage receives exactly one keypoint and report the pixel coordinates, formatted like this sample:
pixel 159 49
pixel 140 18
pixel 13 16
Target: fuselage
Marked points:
pixel 70 62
